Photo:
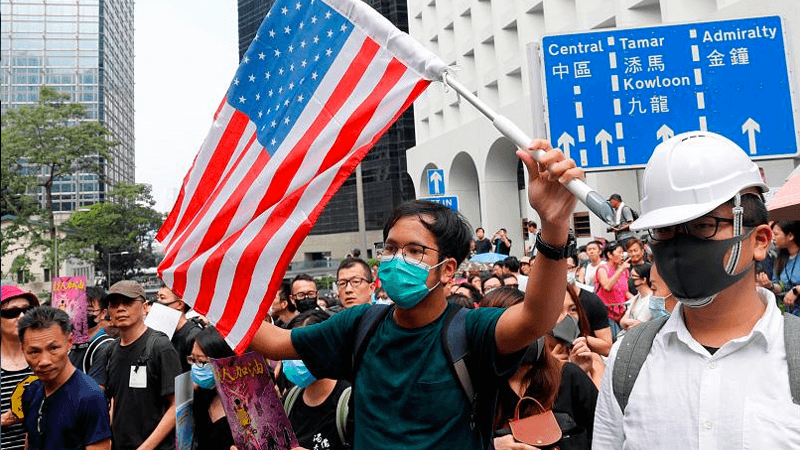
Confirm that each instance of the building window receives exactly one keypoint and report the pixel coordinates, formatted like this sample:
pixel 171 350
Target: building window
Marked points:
pixel 20 277
pixel 46 275
pixel 580 223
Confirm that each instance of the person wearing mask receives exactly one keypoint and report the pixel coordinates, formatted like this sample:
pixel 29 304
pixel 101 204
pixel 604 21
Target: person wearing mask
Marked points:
pixel 186 330
pixel 313 405
pixel 578 351
pixel 635 250
pixel 639 307
pixel 212 431
pixel 662 302
pixel 612 284
pixel 785 281
pixel 92 357
pixel 304 293
pixel 406 394
pixel 557 385
pixel 587 276
pixel 718 370
pixel 14 304
pixel 599 340
pixel 64 409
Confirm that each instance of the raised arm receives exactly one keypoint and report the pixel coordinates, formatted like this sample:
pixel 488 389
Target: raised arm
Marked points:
pixel 547 282
pixel 274 342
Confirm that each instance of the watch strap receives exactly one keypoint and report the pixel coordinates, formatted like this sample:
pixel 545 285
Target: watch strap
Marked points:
pixel 556 253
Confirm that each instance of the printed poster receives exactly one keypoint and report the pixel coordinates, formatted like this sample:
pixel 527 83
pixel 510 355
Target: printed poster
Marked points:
pixel 69 294
pixel 184 418
pixel 255 413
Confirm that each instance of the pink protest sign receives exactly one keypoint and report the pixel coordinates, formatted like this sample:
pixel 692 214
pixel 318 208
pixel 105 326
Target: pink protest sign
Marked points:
pixel 69 294
pixel 254 411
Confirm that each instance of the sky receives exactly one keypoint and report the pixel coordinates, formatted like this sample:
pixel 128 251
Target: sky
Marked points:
pixel 186 53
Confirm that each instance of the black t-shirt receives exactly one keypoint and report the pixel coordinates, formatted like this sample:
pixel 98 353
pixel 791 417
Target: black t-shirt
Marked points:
pixel 577 397
pixel 315 426
pixel 137 410
pixel 595 309
pixel 483 245
pixel 183 340
pixel 501 247
pixel 208 435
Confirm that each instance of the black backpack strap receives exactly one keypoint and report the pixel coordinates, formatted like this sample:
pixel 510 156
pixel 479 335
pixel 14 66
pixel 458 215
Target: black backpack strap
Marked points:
pixel 631 354
pixel 791 339
pixel 88 357
pixel 456 349
pixel 367 324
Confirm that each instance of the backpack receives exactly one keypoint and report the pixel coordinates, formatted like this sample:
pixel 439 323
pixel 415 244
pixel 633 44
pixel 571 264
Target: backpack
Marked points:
pixel 638 340
pixel 456 350
pixel 144 358
pixel 88 357
pixel 342 410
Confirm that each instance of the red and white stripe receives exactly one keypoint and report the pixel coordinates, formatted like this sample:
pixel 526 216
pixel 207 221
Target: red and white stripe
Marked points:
pixel 242 214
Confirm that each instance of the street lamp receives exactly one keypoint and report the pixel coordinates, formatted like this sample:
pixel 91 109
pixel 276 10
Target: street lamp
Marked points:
pixel 109 265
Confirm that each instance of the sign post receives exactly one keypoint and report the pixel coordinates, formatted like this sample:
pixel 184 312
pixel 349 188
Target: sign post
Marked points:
pixel 612 96
pixel 436 181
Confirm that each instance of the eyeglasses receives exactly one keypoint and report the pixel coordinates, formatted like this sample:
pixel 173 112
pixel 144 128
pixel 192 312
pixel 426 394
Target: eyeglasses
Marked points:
pixel 42 411
pixel 192 360
pixel 13 313
pixel 411 253
pixel 704 227
pixel 356 282
pixel 305 295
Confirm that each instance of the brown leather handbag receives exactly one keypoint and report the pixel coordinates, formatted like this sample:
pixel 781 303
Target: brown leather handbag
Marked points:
pixel 538 430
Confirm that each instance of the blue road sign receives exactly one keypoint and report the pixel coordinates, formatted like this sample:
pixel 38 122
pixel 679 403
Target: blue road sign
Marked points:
pixel 450 201
pixel 612 96
pixel 436 181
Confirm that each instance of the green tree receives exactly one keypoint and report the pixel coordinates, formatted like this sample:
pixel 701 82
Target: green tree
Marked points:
pixel 42 144
pixel 128 223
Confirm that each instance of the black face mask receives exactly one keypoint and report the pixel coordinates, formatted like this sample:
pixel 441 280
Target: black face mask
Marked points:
pixel 91 321
pixel 694 268
pixel 306 304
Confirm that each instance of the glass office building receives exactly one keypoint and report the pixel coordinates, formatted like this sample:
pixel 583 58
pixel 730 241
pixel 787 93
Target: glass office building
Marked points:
pixel 385 181
pixel 85 49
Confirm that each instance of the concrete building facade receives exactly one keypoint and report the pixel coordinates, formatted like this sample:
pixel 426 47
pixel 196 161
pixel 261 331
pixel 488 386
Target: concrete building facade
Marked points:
pixel 492 42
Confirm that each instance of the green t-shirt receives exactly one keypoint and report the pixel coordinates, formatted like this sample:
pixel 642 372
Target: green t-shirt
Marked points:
pixel 406 395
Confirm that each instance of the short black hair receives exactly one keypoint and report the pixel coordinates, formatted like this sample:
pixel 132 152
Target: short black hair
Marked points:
pixel 42 318
pixel 500 263
pixel 99 293
pixel 610 248
pixel 489 277
pixel 512 263
pixel 480 228
pixel 301 277
pixel 597 243
pixel 474 293
pixel 213 344
pixel 616 197
pixel 450 229
pixel 534 224
pixel 352 262
pixel 458 299
pixel 310 317
pixel 643 270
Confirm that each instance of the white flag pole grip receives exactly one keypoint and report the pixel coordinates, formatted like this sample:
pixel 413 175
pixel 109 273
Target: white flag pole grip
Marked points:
pixel 588 196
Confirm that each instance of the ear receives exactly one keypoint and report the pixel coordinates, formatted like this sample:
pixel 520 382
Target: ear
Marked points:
pixel 761 238
pixel 448 270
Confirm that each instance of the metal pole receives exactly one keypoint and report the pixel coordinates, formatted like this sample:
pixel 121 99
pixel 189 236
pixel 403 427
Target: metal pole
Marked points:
pixel 588 196
pixel 55 246
pixel 108 274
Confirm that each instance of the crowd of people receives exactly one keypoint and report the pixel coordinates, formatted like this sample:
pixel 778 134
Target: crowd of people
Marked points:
pixel 670 336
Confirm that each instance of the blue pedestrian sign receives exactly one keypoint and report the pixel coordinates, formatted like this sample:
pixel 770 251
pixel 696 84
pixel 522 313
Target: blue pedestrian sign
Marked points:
pixel 436 181
pixel 450 201
pixel 612 96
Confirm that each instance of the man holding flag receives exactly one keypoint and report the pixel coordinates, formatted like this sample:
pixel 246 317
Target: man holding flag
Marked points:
pixel 322 80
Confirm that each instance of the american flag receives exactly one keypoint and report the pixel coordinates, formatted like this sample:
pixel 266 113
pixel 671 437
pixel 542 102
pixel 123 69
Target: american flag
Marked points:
pixel 320 83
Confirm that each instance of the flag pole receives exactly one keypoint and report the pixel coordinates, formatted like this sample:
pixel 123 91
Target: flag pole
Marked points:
pixel 588 196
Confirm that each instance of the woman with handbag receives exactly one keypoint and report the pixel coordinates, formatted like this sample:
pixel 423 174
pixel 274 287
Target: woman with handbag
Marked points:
pixel 547 403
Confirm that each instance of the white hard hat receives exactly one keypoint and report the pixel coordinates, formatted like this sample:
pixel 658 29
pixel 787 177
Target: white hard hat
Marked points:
pixel 691 174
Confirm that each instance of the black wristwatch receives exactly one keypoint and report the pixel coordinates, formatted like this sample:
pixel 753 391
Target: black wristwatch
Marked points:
pixel 556 253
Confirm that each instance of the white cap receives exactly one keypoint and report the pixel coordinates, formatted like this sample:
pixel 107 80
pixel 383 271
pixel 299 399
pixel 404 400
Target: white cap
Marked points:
pixel 691 174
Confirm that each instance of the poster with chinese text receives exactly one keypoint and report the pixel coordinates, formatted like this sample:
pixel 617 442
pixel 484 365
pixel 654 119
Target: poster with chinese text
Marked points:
pixel 69 294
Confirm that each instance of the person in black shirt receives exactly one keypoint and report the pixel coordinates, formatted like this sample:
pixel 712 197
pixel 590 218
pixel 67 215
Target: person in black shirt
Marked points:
pixel 212 431
pixel 186 331
pixel 482 244
pixel 502 244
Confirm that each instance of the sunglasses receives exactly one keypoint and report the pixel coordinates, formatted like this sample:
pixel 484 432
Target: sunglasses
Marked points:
pixel 13 313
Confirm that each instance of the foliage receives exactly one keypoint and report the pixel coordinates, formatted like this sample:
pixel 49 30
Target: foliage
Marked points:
pixel 128 223
pixel 42 144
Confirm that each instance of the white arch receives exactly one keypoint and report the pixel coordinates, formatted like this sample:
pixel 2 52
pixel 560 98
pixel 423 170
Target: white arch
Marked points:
pixel 499 189
pixel 463 182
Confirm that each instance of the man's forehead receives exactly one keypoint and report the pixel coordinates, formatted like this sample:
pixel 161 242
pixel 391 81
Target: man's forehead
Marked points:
pixel 301 284
pixel 410 229
pixel 354 270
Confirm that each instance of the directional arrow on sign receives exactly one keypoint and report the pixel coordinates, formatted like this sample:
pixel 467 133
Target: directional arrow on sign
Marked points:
pixel 436 178
pixel 664 133
pixel 751 127
pixel 565 141
pixel 603 138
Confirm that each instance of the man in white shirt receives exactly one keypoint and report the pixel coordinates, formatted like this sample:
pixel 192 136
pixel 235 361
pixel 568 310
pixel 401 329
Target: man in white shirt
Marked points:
pixel 716 376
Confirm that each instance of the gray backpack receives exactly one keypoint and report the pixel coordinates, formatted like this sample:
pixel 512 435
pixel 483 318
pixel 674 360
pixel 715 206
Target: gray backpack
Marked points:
pixel 637 342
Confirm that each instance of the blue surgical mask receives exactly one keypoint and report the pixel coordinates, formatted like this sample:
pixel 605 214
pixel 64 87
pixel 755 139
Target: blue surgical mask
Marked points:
pixel 203 376
pixel 405 282
pixel 658 306
pixel 297 372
